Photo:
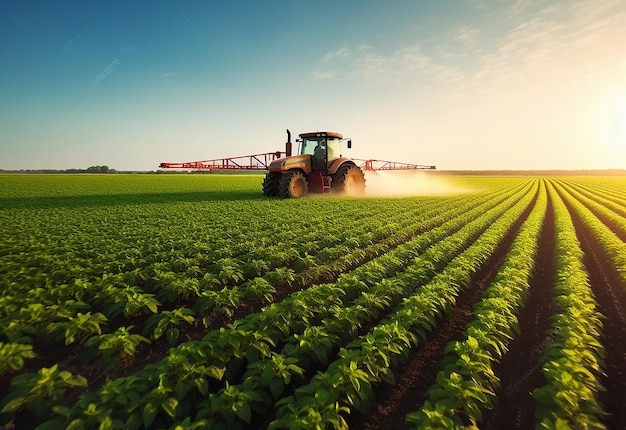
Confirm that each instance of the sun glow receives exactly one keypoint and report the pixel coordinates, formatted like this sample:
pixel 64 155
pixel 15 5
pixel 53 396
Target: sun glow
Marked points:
pixel 619 131
pixel 611 130
pixel 621 120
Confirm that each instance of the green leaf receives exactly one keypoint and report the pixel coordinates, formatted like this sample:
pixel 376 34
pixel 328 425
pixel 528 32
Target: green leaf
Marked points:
pixel 216 372
pixel 203 386
pixel 181 389
pixel 14 404
pixel 55 424
pixel 169 406
pixel 276 387
pixel 149 413
pixel 106 424
pixel 242 409
pixel 267 376
pixel 388 376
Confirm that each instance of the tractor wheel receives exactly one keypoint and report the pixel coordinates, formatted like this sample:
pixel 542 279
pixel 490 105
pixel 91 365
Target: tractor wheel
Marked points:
pixel 270 184
pixel 293 184
pixel 349 180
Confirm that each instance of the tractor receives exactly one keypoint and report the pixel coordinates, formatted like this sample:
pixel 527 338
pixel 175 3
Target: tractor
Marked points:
pixel 319 168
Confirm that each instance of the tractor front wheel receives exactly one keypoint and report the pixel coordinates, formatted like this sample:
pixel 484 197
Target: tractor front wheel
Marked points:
pixel 270 184
pixel 349 180
pixel 293 184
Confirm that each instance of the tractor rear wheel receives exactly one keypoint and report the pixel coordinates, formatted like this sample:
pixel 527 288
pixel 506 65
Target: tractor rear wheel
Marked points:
pixel 293 184
pixel 349 180
pixel 270 184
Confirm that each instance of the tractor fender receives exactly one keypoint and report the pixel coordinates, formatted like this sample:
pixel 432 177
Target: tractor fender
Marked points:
pixel 336 164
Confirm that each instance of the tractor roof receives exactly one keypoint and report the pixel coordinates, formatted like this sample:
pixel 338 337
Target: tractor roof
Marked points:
pixel 331 134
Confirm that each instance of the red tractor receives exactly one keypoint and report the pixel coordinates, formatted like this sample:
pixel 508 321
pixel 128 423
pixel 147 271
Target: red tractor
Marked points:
pixel 320 167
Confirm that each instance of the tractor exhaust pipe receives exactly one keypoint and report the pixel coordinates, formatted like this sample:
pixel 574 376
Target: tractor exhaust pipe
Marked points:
pixel 288 144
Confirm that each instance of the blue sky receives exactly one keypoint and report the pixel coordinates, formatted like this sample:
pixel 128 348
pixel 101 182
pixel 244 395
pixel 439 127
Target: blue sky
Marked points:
pixel 468 84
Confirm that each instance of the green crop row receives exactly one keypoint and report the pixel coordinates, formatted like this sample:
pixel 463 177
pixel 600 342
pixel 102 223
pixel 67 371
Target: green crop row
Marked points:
pixel 467 383
pixel 80 312
pixel 607 200
pixel 318 342
pixel 348 381
pixel 116 273
pixel 211 297
pixel 572 360
pixel 611 245
pixel 615 188
pixel 612 212
pixel 244 340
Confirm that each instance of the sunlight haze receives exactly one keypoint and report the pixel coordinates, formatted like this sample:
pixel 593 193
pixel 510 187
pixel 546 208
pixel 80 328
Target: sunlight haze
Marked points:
pixel 474 84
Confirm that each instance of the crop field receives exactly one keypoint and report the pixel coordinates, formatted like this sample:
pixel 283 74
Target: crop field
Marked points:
pixel 194 301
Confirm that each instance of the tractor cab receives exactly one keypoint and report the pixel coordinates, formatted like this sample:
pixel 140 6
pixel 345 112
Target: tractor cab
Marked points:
pixel 323 147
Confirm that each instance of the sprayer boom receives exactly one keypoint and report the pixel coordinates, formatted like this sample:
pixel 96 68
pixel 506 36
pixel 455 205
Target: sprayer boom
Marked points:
pixel 246 162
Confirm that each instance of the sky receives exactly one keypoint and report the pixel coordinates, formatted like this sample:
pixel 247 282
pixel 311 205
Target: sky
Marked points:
pixel 465 84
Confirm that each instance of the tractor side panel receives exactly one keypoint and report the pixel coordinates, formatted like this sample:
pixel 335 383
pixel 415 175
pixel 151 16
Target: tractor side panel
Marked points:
pixel 297 162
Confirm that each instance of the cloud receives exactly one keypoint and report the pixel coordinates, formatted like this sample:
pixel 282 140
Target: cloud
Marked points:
pixel 536 45
pixel 466 35
pixel 561 44
pixel 167 74
pixel 341 53
pixel 364 63
pixel 519 8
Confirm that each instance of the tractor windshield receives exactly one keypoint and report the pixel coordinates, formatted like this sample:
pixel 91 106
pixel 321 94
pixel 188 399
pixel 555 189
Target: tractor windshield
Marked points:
pixel 314 145
pixel 309 145
pixel 323 151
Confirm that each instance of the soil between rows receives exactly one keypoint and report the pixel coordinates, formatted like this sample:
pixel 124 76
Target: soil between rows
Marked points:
pixel 392 403
pixel 611 299
pixel 519 370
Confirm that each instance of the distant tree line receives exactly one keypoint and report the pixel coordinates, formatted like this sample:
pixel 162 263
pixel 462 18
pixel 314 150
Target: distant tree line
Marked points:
pixel 91 169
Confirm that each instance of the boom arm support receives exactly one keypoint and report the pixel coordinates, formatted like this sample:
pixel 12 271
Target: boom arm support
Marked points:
pixel 262 162
pixel 246 162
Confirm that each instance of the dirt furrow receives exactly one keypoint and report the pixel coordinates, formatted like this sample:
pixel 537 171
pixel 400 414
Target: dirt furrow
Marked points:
pixel 519 370
pixel 611 300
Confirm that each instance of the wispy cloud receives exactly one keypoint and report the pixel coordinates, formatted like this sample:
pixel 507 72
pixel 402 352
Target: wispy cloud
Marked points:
pixel 366 64
pixel 167 74
pixel 341 53
pixel 539 43
pixel 519 8
pixel 558 45
pixel 467 36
